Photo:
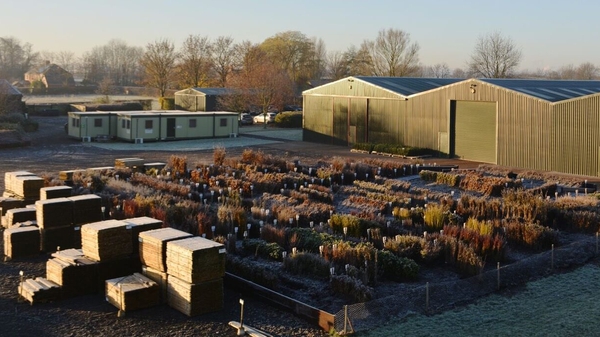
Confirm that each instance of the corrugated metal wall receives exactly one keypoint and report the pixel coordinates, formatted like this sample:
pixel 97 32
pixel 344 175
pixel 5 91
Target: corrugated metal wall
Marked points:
pixel 532 133
pixel 576 126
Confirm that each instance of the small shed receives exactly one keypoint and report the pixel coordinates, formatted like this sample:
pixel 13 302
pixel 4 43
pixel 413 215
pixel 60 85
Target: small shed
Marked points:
pixel 11 99
pixel 179 125
pixel 138 126
pixel 199 99
pixel 89 125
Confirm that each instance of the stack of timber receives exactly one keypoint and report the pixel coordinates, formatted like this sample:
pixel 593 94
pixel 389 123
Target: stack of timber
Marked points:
pixel 67 176
pixel 21 240
pixel 87 208
pixel 195 299
pixel 156 165
pixel 153 246
pixel 55 219
pixel 153 255
pixel 160 278
pixel 195 268
pixel 24 185
pixel 132 292
pixel 117 268
pixel 139 225
pixel 195 259
pixel 39 290
pixel 76 274
pixel 9 203
pixel 54 213
pixel 106 240
pixel 16 215
pixel 55 192
pixel 135 164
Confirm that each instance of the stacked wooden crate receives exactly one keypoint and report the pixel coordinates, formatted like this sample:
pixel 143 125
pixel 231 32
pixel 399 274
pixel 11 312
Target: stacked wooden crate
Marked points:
pixel 39 290
pixel 21 240
pixel 106 240
pixel 55 219
pixel 153 254
pixel 132 292
pixel 55 192
pixel 155 165
pixel 73 272
pixel 16 215
pixel 195 268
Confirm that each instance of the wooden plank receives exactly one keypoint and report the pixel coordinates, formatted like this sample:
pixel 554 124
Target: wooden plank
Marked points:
pixel 195 259
pixel 153 246
pixel 132 292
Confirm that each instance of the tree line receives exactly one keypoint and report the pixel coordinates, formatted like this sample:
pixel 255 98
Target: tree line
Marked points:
pixel 285 63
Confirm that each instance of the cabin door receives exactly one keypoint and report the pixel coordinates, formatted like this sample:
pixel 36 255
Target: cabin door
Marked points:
pixel 170 127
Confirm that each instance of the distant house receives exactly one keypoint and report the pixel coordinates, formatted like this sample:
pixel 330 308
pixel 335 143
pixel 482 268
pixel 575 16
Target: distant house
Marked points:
pixel 51 75
pixel 199 99
pixel 11 99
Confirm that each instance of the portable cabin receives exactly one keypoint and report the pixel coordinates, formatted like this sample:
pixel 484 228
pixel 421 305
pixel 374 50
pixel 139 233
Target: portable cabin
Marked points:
pixel 138 126
pixel 89 125
pixel 178 125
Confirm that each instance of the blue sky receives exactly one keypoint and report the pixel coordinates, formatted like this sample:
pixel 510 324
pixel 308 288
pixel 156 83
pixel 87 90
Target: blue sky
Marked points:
pixel 550 33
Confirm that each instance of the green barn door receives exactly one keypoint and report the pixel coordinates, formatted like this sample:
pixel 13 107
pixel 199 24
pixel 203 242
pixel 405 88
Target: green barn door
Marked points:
pixel 474 130
pixel 358 121
pixel 340 121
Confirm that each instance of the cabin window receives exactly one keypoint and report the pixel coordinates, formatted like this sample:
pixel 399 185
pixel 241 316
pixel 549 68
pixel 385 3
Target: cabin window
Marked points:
pixel 192 123
pixel 223 122
pixel 149 124
pixel 123 124
pixel 98 122
pixel 75 122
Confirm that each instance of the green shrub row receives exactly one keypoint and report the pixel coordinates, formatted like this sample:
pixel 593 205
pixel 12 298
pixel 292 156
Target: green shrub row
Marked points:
pixel 353 288
pixel 401 150
pixel 312 265
pixel 395 268
pixel 289 119
pixel 252 271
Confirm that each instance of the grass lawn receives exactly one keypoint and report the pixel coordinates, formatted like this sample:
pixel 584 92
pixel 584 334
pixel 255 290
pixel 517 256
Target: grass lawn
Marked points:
pixel 560 305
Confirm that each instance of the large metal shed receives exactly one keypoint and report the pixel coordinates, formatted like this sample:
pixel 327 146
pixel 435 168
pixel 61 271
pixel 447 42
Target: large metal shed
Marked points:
pixel 532 124
pixel 199 99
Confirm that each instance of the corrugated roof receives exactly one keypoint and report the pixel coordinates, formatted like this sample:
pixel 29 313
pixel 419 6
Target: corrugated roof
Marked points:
pixel 7 89
pixel 407 86
pixel 214 91
pixel 548 90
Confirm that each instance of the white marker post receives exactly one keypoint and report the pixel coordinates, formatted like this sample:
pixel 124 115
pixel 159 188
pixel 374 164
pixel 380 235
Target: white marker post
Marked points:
pixel 241 331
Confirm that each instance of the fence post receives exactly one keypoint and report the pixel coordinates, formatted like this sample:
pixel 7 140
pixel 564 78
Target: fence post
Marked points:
pixel 596 243
pixel 345 318
pixel 498 267
pixel 552 263
pixel 427 296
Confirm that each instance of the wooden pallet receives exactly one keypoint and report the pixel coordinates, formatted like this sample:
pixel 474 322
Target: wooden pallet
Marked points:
pixel 132 292
pixel 39 290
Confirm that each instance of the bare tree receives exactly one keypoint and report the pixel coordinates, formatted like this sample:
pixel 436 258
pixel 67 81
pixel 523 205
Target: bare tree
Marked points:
pixel 458 73
pixel 439 70
pixel 358 61
pixel 16 58
pixel 159 64
pixel 106 87
pixel 587 71
pixel 392 54
pixel 195 61
pixel 223 58
pixel 337 67
pixel 494 56
pixel 260 83
pixel 116 60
